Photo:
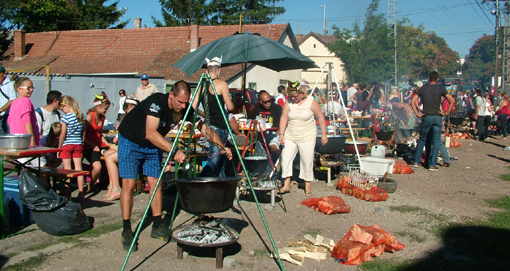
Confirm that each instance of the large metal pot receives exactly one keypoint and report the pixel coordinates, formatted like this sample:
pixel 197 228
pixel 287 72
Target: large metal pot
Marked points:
pixel 15 141
pixel 457 121
pixel 207 194
pixel 384 135
pixel 335 144
pixel 351 149
pixel 255 164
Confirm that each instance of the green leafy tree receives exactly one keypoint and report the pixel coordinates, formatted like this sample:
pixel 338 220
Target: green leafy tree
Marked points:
pixel 183 12
pixel 6 23
pixel 479 65
pixel 215 12
pixel 368 51
pixel 51 15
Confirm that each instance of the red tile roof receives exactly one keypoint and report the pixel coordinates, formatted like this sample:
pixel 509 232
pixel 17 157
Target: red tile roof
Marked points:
pixel 125 51
pixel 324 39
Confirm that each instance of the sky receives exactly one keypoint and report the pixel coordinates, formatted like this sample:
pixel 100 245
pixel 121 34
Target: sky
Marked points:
pixel 459 22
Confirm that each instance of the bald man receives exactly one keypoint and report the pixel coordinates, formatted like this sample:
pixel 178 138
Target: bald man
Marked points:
pixel 265 109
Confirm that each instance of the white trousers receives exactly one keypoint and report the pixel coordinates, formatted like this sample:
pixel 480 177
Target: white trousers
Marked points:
pixel 306 155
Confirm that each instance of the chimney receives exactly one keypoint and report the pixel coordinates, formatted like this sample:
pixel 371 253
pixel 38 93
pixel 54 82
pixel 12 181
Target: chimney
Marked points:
pixel 138 22
pixel 194 38
pixel 19 44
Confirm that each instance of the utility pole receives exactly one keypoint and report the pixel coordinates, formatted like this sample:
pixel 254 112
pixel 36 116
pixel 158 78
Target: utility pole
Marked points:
pixel 496 74
pixel 506 47
pixel 392 23
pixel 325 25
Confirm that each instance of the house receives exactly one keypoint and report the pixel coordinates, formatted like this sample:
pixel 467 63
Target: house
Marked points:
pixel 82 63
pixel 315 47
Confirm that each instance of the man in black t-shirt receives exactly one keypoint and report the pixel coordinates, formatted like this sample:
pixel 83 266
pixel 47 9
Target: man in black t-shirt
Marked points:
pixel 266 109
pixel 141 144
pixel 432 120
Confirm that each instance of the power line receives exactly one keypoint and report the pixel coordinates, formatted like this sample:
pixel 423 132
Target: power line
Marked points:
pixel 484 12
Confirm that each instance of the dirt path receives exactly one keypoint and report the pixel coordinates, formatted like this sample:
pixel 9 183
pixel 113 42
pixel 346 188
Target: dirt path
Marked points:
pixel 423 201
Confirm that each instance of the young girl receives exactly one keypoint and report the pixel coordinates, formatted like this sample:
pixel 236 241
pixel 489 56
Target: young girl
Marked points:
pixel 21 118
pixel 70 141
pixel 94 142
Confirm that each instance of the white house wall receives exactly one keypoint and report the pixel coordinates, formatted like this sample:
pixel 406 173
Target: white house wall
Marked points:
pixel 266 79
pixel 319 53
pixel 83 88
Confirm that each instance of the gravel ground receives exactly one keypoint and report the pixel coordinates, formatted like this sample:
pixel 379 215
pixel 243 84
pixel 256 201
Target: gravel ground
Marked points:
pixel 453 194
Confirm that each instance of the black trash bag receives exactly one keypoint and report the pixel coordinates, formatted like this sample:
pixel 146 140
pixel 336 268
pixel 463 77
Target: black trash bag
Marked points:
pixel 67 220
pixel 37 195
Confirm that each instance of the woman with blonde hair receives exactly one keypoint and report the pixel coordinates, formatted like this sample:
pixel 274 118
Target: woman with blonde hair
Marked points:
pixel 298 133
pixel 71 140
pixel 94 143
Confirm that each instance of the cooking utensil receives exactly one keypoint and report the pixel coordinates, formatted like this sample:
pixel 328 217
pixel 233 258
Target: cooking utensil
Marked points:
pixel 15 141
pixel 351 149
pixel 255 164
pixel 457 121
pixel 384 135
pixel 335 144
pixel 207 194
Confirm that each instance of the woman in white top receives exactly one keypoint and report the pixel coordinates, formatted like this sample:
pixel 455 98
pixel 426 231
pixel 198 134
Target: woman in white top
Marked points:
pixel 298 132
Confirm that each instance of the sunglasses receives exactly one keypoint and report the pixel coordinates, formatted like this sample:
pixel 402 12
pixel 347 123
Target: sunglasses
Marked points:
pixel 295 96
pixel 265 102
pixel 29 88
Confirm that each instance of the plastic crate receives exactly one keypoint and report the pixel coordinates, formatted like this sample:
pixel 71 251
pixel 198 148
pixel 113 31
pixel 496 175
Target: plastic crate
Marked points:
pixel 374 166
pixel 19 214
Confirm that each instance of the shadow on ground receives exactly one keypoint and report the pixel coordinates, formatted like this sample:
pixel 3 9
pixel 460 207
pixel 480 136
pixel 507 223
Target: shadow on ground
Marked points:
pixel 469 248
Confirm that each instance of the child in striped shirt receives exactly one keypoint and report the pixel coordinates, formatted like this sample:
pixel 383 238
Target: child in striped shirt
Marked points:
pixel 71 139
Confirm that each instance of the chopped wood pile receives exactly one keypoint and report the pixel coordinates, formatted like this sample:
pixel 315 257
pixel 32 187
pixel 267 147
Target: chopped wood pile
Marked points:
pixel 308 247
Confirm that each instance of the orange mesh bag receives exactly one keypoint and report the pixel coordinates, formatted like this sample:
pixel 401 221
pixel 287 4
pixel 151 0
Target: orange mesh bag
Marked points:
pixel 328 205
pixel 361 243
pixel 455 143
pixel 401 167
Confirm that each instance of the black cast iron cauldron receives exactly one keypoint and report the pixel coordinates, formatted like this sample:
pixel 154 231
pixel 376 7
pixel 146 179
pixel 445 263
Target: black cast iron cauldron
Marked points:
pixel 207 194
pixel 255 164
pixel 335 144
pixel 384 135
pixel 405 132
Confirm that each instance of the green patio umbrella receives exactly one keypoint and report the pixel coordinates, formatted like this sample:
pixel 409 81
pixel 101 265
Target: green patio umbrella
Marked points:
pixel 246 48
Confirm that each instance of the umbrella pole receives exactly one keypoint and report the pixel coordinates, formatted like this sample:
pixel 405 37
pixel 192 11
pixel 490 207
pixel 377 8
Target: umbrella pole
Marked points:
pixel 250 183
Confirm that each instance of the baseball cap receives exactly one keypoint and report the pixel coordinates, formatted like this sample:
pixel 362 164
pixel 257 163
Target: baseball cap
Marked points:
pixel 2 69
pixel 144 76
pixel 304 82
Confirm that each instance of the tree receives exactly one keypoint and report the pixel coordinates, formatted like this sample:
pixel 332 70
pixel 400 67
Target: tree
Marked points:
pixel 368 52
pixel 6 23
pixel 479 65
pixel 53 15
pixel 216 12
pixel 183 12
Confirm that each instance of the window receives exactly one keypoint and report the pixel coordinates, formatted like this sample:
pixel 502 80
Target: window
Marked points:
pixel 252 85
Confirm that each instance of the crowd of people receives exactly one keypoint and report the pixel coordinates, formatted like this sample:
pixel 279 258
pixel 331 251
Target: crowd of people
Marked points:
pixel 144 119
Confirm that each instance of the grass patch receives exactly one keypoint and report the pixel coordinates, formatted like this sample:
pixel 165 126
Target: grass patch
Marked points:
pixel 433 223
pixel 92 233
pixel 505 177
pixel 502 203
pixel 311 231
pixel 407 209
pixel 413 237
pixel 260 253
pixel 384 265
pixel 30 264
